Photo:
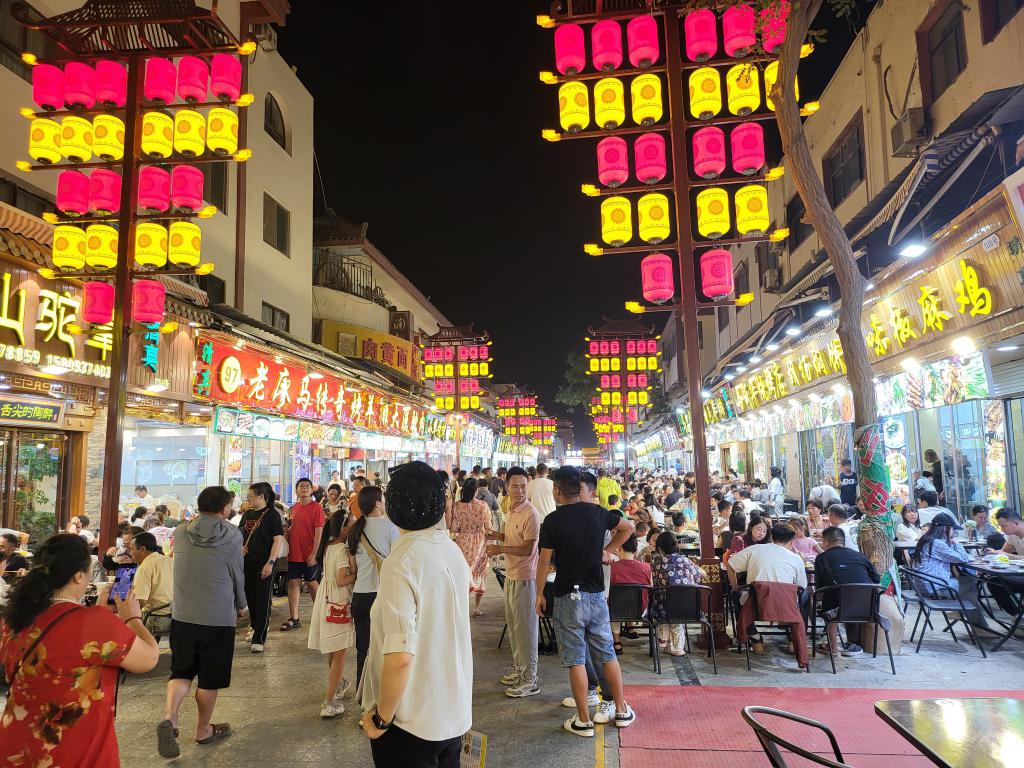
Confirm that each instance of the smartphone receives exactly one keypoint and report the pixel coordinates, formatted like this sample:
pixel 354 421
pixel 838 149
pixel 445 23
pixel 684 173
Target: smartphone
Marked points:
pixel 122 583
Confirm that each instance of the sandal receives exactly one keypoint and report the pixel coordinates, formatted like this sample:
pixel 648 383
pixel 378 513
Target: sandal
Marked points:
pixel 291 624
pixel 618 648
pixel 167 739
pixel 220 732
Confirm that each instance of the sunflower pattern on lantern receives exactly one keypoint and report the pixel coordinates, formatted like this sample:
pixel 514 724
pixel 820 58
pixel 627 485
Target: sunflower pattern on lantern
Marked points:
pixel 616 220
pixel 609 103
pixel 752 210
pixel 44 141
pixel 645 95
pixel 573 107
pixel 705 93
pixel 108 137
pixel 713 213
pixel 652 218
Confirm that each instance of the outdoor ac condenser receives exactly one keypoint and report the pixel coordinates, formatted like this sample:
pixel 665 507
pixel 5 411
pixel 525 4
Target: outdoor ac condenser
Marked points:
pixel 910 133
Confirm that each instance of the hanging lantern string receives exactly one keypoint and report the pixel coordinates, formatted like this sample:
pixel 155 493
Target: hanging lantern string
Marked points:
pixel 601 133
pixel 159 216
pixel 550 78
pixel 241 103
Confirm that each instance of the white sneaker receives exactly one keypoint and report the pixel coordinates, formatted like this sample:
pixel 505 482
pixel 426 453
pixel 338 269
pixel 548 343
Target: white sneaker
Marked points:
pixel 624 719
pixel 522 689
pixel 256 648
pixel 605 712
pixel 573 725
pixel 592 700
pixel 332 708
pixel 512 678
pixel 343 688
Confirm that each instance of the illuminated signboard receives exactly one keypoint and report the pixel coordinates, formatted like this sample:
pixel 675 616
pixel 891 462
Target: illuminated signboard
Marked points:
pixel 30 412
pixel 457 370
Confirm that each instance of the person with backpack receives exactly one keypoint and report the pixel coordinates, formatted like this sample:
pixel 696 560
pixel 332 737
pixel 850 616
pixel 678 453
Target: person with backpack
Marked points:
pixel 369 542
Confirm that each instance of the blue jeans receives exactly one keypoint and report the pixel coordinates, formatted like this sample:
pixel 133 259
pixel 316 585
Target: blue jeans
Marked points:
pixel 582 623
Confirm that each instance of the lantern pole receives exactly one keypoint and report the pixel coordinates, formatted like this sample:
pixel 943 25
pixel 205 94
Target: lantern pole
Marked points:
pixel 689 368
pixel 122 324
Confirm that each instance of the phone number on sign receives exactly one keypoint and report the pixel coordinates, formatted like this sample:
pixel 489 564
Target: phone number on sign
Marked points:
pixel 81 367
pixel 19 354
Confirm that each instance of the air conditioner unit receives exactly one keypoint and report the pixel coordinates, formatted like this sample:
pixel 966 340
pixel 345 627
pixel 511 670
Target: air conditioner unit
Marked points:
pixel 266 35
pixel 771 280
pixel 910 133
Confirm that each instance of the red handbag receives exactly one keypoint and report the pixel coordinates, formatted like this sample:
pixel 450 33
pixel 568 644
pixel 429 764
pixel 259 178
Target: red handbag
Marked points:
pixel 338 613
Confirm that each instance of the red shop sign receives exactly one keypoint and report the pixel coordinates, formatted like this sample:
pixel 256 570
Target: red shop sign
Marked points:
pixel 226 373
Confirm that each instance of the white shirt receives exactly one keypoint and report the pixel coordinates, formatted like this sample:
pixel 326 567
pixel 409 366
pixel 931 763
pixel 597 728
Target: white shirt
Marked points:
pixel 751 507
pixel 657 516
pixel 1016 542
pixel 906 532
pixel 850 529
pixel 146 501
pixel 422 608
pixel 925 515
pixel 776 495
pixel 541 493
pixel 770 562
pixel 826 494
pixel 382 534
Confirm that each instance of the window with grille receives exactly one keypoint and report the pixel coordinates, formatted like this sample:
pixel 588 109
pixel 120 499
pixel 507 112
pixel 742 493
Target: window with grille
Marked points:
pixel 947 49
pixel 276 318
pixel 844 163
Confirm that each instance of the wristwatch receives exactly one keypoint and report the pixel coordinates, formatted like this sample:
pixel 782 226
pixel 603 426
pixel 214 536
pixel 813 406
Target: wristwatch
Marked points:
pixel 378 721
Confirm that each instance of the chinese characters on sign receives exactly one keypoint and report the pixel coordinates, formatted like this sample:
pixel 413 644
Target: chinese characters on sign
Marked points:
pixel 355 341
pixel 30 412
pixel 253 378
pixel 151 346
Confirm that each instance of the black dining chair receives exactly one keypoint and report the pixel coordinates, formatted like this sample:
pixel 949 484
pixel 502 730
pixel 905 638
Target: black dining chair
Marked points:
pixel 936 595
pixel 858 604
pixel 1008 596
pixel 626 603
pixel 683 605
pixel 772 629
pixel 771 741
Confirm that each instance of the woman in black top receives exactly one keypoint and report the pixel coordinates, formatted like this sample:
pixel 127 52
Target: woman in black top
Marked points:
pixel 263 535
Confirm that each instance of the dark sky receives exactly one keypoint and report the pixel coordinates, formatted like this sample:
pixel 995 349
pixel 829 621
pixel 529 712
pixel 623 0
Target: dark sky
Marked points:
pixel 428 120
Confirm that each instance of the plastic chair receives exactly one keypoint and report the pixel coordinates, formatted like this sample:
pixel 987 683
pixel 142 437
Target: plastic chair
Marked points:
pixel 936 595
pixel 626 603
pixel 858 604
pixel 770 741
pixel 682 605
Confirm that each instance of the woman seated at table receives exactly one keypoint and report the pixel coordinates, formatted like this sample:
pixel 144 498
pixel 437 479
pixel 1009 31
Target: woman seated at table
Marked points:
pixel 936 551
pixel 671 568
pixel 910 529
pixel 803 544
pixel 737 527
pixel 816 522
pixel 758 532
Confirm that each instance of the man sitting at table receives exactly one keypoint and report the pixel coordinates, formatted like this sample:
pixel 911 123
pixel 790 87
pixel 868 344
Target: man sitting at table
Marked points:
pixel 928 507
pixel 840 517
pixel 980 516
pixel 839 564
pixel 1010 523
pixel 1008 591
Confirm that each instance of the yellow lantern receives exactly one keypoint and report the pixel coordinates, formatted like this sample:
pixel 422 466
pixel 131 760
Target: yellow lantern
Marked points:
pixel 68 247
pixel 771 75
pixel 573 107
pixel 101 246
pixel 609 103
pixel 185 241
pixel 705 93
pixel 157 135
pixel 76 138
pixel 189 132
pixel 741 85
pixel 616 220
pixel 752 210
pixel 108 137
pixel 44 141
pixel 652 213
pixel 713 213
pixel 645 98
pixel 150 244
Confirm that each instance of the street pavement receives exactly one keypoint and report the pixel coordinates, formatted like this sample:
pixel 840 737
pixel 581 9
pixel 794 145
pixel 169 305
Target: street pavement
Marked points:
pixel 274 701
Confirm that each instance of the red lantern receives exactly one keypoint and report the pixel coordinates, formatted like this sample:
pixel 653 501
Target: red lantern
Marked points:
pixel 79 85
pixel 48 86
pixel 716 273
pixel 709 152
pixel 606 44
pixel 73 193
pixel 612 161
pixel 160 79
pixel 154 188
pixel 642 41
pixel 98 302
pixel 147 301
pixel 656 275
pixel 193 76
pixel 570 51
pixel 111 83
pixel 773 25
pixel 104 191
pixel 187 187
pixel 226 76
pixel 649 158
pixel 701 35
pixel 747 141
pixel 738 30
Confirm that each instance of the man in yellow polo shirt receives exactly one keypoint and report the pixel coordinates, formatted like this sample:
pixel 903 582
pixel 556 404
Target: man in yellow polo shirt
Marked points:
pixel 606 486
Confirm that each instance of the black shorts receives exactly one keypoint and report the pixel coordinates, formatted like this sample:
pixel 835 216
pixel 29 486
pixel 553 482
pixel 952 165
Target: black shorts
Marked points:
pixel 303 571
pixel 203 652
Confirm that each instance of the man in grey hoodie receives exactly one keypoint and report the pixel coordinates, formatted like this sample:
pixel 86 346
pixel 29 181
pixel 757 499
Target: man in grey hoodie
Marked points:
pixel 209 598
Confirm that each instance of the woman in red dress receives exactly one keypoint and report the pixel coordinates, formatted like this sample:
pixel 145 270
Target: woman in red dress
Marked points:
pixel 62 660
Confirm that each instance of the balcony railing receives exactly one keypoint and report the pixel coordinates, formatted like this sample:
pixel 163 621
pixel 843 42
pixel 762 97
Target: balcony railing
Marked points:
pixel 343 273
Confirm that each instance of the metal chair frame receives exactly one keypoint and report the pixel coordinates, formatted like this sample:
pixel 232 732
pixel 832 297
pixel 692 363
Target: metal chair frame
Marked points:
pixel 954 603
pixel 770 741
pixel 625 603
pixel 873 617
pixel 691 596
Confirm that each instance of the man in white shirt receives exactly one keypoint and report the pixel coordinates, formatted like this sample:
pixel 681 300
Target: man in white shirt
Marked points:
pixel 750 505
pixel 775 562
pixel 541 492
pixel 928 507
pixel 143 499
pixel 1010 523
pixel 826 494
pixel 421 653
pixel 776 494
pixel 839 516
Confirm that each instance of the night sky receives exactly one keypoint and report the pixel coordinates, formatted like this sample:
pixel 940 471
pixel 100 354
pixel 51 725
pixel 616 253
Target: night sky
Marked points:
pixel 428 120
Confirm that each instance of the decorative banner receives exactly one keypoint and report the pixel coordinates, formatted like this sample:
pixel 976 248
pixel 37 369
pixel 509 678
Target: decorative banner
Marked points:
pixel 247 424
pixel 378 347
pixel 31 412
pixel 260 379
pixel 878 529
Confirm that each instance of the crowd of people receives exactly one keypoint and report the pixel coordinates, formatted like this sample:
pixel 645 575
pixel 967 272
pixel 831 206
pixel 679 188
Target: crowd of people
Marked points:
pixel 398 573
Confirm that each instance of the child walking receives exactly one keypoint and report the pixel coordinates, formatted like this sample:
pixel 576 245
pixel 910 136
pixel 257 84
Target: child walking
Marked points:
pixel 331 628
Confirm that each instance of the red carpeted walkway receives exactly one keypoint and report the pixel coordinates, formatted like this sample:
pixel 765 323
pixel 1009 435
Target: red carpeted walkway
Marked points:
pixel 701 726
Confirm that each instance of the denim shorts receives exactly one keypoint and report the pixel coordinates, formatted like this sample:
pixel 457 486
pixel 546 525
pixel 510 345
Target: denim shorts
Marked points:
pixel 582 623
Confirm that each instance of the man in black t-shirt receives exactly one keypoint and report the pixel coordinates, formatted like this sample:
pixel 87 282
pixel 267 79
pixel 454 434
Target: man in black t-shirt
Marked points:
pixel 839 564
pixel 575 535
pixel 847 483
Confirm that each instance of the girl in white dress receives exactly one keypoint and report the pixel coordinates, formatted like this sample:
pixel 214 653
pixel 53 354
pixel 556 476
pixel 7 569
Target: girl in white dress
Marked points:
pixel 331 629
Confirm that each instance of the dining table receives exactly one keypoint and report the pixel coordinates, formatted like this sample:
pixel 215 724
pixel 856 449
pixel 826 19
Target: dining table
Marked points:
pixel 960 733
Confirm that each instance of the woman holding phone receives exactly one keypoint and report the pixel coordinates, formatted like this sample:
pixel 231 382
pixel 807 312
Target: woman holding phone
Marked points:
pixel 62 660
